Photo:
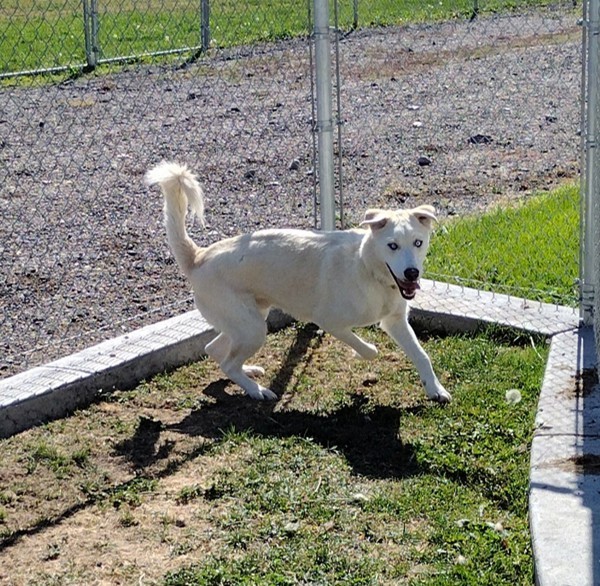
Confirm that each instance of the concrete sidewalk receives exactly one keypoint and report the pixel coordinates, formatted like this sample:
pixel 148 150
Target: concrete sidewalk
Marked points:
pixel 565 456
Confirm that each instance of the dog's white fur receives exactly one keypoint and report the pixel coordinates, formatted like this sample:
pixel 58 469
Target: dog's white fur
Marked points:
pixel 338 280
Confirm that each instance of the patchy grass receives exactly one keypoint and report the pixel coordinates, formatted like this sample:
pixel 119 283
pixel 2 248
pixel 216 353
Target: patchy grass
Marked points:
pixel 44 34
pixel 531 250
pixel 351 478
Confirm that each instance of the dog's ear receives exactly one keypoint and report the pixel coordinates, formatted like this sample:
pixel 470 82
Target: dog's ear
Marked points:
pixel 375 219
pixel 425 214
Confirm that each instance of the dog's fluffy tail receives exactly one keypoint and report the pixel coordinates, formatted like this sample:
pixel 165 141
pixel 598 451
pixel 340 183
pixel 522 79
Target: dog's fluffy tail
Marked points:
pixel 180 189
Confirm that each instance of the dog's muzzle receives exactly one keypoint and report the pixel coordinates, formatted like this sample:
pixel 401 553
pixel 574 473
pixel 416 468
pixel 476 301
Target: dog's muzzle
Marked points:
pixel 409 285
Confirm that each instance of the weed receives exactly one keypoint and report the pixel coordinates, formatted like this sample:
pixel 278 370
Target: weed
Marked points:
pixel 50 456
pixel 131 493
pixel 190 493
pixel 127 518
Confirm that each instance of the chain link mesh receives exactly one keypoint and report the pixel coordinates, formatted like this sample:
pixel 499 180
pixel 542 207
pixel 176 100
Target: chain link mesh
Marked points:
pixel 447 109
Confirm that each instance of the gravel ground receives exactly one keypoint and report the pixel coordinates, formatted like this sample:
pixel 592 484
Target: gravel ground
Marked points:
pixel 460 115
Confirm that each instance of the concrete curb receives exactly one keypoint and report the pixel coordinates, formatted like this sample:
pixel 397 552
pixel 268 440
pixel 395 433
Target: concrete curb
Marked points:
pixel 57 388
pixel 452 308
pixel 564 494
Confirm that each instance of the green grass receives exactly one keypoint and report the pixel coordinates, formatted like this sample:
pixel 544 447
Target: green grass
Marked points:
pixel 442 502
pixel 50 34
pixel 60 463
pixel 353 477
pixel 530 250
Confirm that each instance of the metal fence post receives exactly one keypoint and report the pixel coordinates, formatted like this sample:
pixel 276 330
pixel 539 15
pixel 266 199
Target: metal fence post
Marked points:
pixel 90 27
pixel 324 113
pixel 205 24
pixel 591 185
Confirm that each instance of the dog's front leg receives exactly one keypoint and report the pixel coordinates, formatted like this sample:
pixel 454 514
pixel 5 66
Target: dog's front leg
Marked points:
pixel 401 331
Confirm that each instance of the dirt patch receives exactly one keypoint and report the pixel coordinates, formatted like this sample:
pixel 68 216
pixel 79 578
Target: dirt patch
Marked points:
pixel 584 383
pixel 126 491
pixel 586 464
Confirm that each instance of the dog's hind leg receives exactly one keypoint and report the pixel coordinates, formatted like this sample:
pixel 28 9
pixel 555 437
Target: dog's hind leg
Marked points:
pixel 220 347
pixel 243 345
pixel 243 331
pixel 361 348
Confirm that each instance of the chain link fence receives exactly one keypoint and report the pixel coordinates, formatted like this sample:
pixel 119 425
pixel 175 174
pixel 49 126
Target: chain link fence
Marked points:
pixel 459 104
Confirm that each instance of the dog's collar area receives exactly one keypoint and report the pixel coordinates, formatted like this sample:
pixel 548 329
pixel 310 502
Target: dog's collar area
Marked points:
pixel 408 289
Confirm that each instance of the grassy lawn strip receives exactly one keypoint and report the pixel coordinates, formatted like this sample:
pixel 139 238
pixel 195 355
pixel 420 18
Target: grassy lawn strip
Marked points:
pixel 353 477
pixel 440 501
pixel 529 250
pixel 49 34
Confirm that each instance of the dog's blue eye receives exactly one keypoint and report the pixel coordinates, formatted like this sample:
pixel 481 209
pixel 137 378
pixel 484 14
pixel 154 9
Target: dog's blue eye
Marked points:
pixel 418 243
pixel 393 246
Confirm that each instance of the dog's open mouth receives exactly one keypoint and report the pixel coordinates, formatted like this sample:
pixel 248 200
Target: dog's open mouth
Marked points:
pixel 408 289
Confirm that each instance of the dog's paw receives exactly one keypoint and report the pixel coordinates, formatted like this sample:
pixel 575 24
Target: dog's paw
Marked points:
pixel 441 396
pixel 267 395
pixel 259 393
pixel 435 391
pixel 253 371
pixel 369 352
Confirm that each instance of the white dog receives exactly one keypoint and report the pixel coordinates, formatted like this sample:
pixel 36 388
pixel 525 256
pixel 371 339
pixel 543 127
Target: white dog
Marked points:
pixel 338 280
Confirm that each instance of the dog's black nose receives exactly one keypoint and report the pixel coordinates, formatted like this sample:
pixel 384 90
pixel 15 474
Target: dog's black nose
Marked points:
pixel 411 274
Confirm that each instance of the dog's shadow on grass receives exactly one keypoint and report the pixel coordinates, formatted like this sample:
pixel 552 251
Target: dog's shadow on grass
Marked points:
pixel 368 436
pixel 144 448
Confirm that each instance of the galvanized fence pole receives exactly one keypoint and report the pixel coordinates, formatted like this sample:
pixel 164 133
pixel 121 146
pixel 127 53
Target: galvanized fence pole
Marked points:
pixel 91 27
pixel 591 184
pixel 339 121
pixel 205 24
pixel 324 113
